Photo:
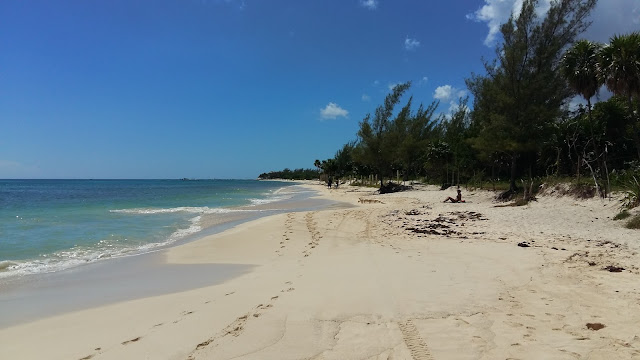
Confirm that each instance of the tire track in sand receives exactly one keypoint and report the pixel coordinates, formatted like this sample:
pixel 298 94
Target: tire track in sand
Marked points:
pixel 413 340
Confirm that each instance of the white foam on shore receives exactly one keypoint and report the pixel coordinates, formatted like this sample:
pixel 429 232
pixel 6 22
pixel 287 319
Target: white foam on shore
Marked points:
pixel 255 202
pixel 281 194
pixel 5 264
pixel 187 209
pixel 80 255
pixel 180 233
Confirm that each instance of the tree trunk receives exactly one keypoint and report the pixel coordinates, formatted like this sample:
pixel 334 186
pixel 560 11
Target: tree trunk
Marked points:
pixel 606 171
pixel 578 169
pixel 634 127
pixel 596 144
pixel 558 161
pixel 514 168
pixel 593 175
pixel 493 176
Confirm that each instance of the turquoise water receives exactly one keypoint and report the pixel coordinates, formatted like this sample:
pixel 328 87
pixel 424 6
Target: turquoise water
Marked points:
pixel 49 225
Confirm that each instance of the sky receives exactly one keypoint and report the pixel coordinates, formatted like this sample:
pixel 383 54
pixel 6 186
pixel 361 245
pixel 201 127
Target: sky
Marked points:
pixel 228 88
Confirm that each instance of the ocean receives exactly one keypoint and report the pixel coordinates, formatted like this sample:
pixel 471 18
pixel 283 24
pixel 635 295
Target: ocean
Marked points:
pixel 52 225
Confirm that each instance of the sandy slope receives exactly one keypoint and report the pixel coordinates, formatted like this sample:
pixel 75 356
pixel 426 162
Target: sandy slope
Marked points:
pixel 407 277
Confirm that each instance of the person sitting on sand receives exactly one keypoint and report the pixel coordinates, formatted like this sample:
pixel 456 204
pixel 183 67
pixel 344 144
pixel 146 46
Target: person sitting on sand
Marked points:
pixel 456 200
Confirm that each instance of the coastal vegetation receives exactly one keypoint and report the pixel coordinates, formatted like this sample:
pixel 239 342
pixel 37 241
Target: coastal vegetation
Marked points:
pixel 288 174
pixel 520 126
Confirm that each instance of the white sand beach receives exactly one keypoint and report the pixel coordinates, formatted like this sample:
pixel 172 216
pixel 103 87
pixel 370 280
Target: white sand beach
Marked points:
pixel 397 276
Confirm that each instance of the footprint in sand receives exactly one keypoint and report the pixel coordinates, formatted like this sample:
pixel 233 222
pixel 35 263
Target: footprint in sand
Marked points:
pixel 131 341
pixel 236 328
pixel 513 324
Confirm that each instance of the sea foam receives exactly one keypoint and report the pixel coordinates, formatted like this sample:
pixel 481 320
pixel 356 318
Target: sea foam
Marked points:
pixel 79 255
pixel 187 209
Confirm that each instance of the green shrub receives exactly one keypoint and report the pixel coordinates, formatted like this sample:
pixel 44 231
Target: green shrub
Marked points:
pixel 632 194
pixel 622 215
pixel 634 223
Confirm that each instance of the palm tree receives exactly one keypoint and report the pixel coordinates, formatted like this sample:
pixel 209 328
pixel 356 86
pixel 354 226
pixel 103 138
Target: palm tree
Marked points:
pixel 580 68
pixel 620 65
pixel 620 71
pixel 317 164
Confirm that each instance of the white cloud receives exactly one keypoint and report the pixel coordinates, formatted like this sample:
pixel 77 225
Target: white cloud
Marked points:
pixel 392 86
pixel 443 93
pixel 455 106
pixel 448 93
pixel 411 44
pixel 366 97
pixel 609 17
pixel 423 81
pixel 369 4
pixel 332 111
pixel 497 12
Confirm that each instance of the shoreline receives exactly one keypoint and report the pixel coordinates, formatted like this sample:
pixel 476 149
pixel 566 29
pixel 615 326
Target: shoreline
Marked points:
pixel 395 276
pixel 193 223
pixel 100 283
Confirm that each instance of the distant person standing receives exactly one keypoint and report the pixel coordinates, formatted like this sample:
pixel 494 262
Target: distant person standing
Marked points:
pixel 457 199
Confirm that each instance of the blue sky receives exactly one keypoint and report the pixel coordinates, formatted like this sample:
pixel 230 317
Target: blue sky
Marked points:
pixel 227 88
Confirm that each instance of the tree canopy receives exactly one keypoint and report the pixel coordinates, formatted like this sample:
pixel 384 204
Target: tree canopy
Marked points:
pixel 519 123
pixel 523 93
